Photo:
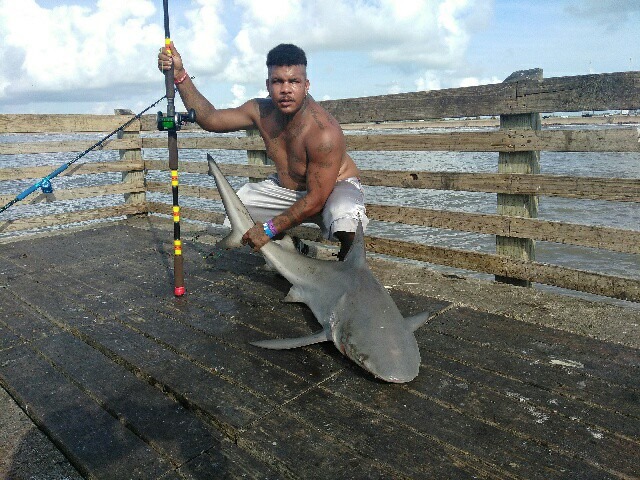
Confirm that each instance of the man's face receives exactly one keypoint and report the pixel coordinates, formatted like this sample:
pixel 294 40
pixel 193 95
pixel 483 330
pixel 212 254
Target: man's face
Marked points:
pixel 288 86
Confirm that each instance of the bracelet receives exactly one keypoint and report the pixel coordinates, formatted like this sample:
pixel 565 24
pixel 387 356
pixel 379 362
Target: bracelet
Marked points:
pixel 269 230
pixel 272 227
pixel 181 79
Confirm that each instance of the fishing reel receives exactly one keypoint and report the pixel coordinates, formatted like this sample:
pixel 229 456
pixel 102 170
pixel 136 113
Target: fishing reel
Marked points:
pixel 45 185
pixel 168 123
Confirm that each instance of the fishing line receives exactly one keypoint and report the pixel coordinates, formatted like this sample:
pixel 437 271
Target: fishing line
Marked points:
pixel 45 182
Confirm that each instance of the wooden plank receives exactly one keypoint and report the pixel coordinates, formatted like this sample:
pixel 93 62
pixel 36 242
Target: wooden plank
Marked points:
pixel 622 139
pixel 298 450
pixel 525 162
pixel 257 157
pixel 537 402
pixel 510 140
pixel 459 423
pixel 209 143
pixel 612 91
pixel 203 386
pixel 186 190
pixel 187 213
pixel 614 239
pixel 618 189
pixel 580 280
pixel 166 425
pixel 64 123
pixel 599 284
pixel 535 368
pixel 26 450
pixel 547 120
pixel 96 443
pixel 68 146
pixel 562 94
pixel 489 402
pixel 8 339
pixel 610 140
pixel 562 352
pixel 131 155
pixel 239 170
pixel 148 122
pixel 226 308
pixel 81 192
pixel 24 323
pixel 29 223
pixel 21 173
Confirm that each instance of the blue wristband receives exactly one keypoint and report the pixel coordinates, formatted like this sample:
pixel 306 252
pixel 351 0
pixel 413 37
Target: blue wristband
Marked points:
pixel 267 230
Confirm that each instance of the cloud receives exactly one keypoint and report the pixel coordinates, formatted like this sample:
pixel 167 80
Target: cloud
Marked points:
pixel 104 50
pixel 206 50
pixel 431 80
pixel 419 34
pixel 428 81
pixel 70 49
pixel 610 13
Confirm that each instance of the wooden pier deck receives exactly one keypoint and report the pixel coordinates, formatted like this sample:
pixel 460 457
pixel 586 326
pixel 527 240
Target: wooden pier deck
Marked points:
pixel 123 380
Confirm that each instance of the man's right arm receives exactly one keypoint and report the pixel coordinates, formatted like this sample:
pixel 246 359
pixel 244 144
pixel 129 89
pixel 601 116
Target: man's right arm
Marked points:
pixel 207 116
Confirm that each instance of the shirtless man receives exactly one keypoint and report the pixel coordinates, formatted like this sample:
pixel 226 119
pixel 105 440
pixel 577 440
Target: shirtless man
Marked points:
pixel 316 180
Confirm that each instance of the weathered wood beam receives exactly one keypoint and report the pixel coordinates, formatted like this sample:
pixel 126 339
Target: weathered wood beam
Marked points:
pixel 75 146
pixel 82 192
pixel 64 123
pixel 579 280
pixel 21 173
pixel 610 91
pixel 57 219
pixel 613 239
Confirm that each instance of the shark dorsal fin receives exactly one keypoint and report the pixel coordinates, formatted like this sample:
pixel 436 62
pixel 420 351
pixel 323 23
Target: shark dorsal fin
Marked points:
pixel 357 257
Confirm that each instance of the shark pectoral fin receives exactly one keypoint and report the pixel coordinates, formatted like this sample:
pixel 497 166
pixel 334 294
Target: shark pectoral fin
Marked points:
pixel 233 240
pixel 294 296
pixel 416 321
pixel 287 343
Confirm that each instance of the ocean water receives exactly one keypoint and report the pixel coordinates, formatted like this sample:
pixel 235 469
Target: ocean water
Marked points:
pixel 624 215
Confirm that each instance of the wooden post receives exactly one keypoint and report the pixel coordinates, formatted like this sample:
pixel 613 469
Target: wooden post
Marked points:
pixel 131 155
pixel 518 162
pixel 256 157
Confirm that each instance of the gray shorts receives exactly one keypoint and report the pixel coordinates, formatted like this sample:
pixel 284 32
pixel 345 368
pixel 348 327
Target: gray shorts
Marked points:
pixel 341 212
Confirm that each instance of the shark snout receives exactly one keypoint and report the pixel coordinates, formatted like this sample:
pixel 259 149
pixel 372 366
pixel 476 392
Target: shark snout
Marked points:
pixel 400 369
pixel 393 358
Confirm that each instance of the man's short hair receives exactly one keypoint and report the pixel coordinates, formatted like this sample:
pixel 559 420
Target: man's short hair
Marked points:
pixel 286 54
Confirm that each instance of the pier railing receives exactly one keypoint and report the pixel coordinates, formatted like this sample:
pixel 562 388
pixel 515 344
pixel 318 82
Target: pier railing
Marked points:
pixel 509 117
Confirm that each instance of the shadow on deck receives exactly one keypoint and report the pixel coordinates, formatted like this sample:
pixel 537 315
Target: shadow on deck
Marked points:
pixel 128 381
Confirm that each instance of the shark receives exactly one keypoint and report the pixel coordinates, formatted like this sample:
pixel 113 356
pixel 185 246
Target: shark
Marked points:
pixel 355 311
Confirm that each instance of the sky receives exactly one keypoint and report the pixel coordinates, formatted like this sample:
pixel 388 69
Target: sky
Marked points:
pixel 92 56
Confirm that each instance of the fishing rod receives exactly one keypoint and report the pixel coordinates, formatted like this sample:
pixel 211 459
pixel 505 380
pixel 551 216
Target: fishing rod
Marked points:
pixel 45 182
pixel 171 123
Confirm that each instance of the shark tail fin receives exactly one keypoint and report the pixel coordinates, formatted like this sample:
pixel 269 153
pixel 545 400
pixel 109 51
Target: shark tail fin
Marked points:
pixel 287 343
pixel 238 214
pixel 416 321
